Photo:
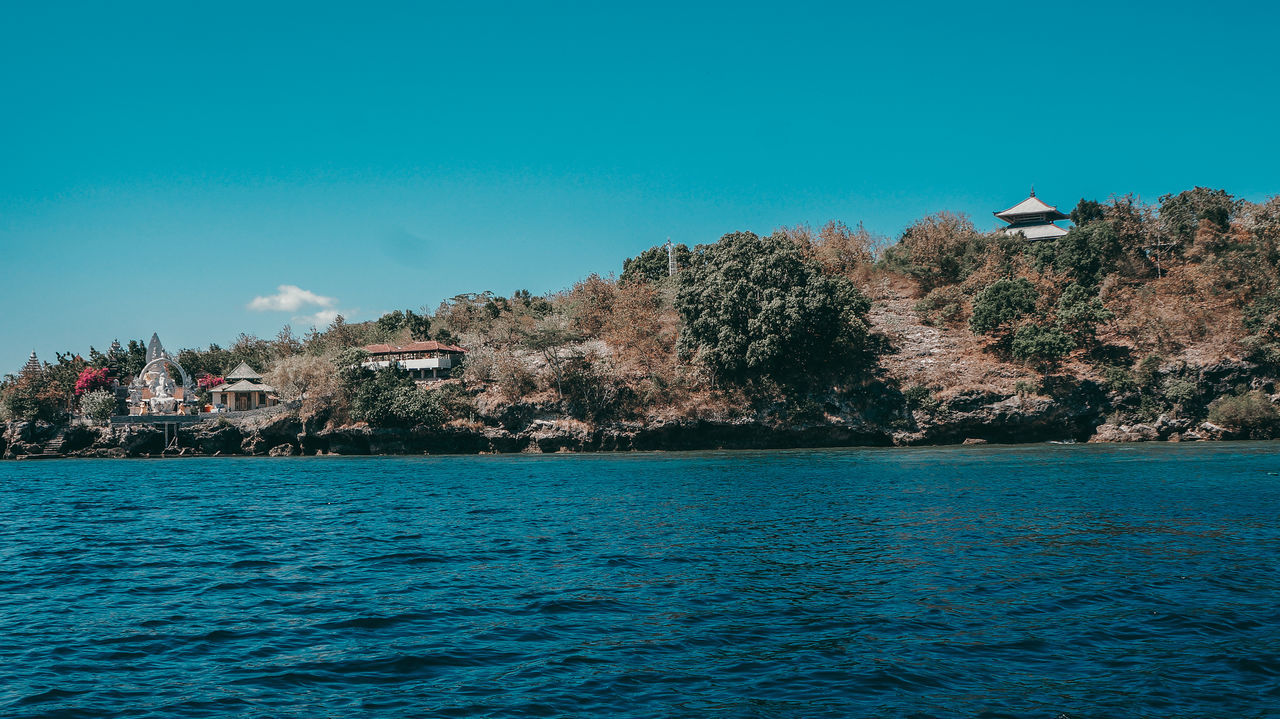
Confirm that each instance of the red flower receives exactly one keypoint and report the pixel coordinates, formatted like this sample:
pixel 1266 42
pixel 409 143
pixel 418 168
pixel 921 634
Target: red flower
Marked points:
pixel 91 379
pixel 207 381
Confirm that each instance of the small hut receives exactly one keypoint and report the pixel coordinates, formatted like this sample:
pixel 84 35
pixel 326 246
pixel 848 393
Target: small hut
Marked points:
pixel 243 390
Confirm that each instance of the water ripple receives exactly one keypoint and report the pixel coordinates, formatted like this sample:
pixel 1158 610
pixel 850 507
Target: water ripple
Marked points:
pixel 1063 582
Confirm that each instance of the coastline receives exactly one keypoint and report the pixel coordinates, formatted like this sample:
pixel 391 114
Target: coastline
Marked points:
pixel 1078 411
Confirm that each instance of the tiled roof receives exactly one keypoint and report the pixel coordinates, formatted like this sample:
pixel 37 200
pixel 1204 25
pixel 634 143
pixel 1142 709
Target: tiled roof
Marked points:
pixel 1030 206
pixel 243 386
pixel 426 346
pixel 243 371
pixel 1038 232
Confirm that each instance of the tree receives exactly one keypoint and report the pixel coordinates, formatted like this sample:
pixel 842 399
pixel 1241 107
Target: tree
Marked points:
pixel 1080 312
pixel 30 396
pixel 943 248
pixel 753 307
pixel 1085 253
pixel 549 337
pixel 92 379
pixel 98 405
pixel 1045 344
pixel 1087 211
pixel 1181 214
pixel 386 397
pixel 652 265
pixel 1000 305
pixel 591 304
pixel 303 377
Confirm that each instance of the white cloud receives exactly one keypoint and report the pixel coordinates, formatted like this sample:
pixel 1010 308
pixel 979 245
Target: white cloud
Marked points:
pixel 320 319
pixel 290 298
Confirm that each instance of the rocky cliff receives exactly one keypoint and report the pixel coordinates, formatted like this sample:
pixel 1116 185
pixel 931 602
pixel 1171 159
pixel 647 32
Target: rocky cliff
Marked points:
pixel 1061 409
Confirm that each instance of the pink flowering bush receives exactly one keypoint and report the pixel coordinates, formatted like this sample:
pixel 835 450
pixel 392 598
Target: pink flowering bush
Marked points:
pixel 207 381
pixel 91 379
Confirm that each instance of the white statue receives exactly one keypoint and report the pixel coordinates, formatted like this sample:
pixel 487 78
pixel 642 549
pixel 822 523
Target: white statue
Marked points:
pixel 162 399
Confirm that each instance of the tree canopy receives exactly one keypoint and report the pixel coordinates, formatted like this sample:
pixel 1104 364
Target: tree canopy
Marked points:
pixel 754 307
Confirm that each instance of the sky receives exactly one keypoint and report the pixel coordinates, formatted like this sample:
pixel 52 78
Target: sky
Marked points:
pixel 201 170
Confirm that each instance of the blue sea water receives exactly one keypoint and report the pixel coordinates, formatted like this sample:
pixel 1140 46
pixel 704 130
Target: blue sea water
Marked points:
pixel 1046 581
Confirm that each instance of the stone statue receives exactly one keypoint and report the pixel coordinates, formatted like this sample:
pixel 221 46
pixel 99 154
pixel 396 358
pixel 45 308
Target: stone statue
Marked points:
pixel 162 399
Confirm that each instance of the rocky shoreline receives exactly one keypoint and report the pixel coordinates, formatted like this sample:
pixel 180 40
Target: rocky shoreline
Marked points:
pixel 1069 410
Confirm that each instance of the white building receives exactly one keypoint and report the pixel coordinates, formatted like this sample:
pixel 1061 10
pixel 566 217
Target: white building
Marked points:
pixel 424 360
pixel 1034 219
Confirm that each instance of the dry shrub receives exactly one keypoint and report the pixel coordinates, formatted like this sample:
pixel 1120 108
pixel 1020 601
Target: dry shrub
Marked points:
pixel 642 338
pixel 590 304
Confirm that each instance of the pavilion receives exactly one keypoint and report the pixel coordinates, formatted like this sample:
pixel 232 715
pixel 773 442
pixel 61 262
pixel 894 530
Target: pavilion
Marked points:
pixel 243 390
pixel 1033 219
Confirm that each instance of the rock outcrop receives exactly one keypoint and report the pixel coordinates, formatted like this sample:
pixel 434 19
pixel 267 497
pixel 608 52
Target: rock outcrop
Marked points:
pixel 1063 409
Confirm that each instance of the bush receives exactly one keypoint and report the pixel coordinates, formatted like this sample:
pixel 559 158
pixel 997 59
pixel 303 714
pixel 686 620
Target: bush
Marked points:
pixel 1250 412
pixel 386 397
pixel 940 249
pixel 1118 379
pixel 943 306
pixel 1041 344
pixel 1180 391
pixel 589 393
pixel 413 406
pixel 919 396
pixel 98 405
pixel 1080 312
pixel 92 378
pixel 1001 304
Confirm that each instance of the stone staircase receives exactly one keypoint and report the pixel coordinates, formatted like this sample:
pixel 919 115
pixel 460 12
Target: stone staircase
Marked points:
pixel 53 448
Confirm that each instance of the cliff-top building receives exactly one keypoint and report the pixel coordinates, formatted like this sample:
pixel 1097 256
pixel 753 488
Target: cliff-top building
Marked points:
pixel 1033 219
pixel 429 360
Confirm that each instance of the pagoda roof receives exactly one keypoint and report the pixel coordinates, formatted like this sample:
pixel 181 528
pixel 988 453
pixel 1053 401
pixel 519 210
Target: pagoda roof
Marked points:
pixel 243 386
pixel 33 364
pixel 1030 206
pixel 243 371
pixel 1037 232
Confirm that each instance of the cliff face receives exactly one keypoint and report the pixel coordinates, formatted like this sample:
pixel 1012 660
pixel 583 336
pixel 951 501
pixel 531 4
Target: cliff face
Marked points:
pixel 1065 409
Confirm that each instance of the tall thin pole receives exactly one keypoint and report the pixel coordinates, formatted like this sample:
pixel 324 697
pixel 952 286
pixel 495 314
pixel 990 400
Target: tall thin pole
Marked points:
pixel 671 259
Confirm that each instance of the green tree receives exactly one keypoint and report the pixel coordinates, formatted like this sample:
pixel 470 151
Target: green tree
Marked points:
pixel 1087 211
pixel 386 397
pixel 1000 305
pixel 1181 214
pixel 1085 253
pixel 1040 343
pixel 753 307
pixel 652 264
pixel 1080 312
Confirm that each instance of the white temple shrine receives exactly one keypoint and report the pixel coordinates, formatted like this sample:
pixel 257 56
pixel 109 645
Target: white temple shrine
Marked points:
pixel 1033 219
pixel 154 391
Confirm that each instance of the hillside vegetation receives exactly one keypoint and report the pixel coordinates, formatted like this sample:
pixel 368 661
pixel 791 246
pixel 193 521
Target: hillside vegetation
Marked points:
pixel 1142 303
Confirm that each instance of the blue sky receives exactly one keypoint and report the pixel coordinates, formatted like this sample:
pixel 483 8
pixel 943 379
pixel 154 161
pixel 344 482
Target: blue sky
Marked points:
pixel 162 166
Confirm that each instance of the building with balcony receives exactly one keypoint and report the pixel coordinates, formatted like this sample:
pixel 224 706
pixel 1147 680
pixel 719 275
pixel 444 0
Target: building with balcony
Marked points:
pixel 430 360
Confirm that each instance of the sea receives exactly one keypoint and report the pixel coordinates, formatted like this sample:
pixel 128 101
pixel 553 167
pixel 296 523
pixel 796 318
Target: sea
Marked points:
pixel 1053 581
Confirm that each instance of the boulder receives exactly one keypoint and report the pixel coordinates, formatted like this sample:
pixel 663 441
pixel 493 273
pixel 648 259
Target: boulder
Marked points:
pixel 282 450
